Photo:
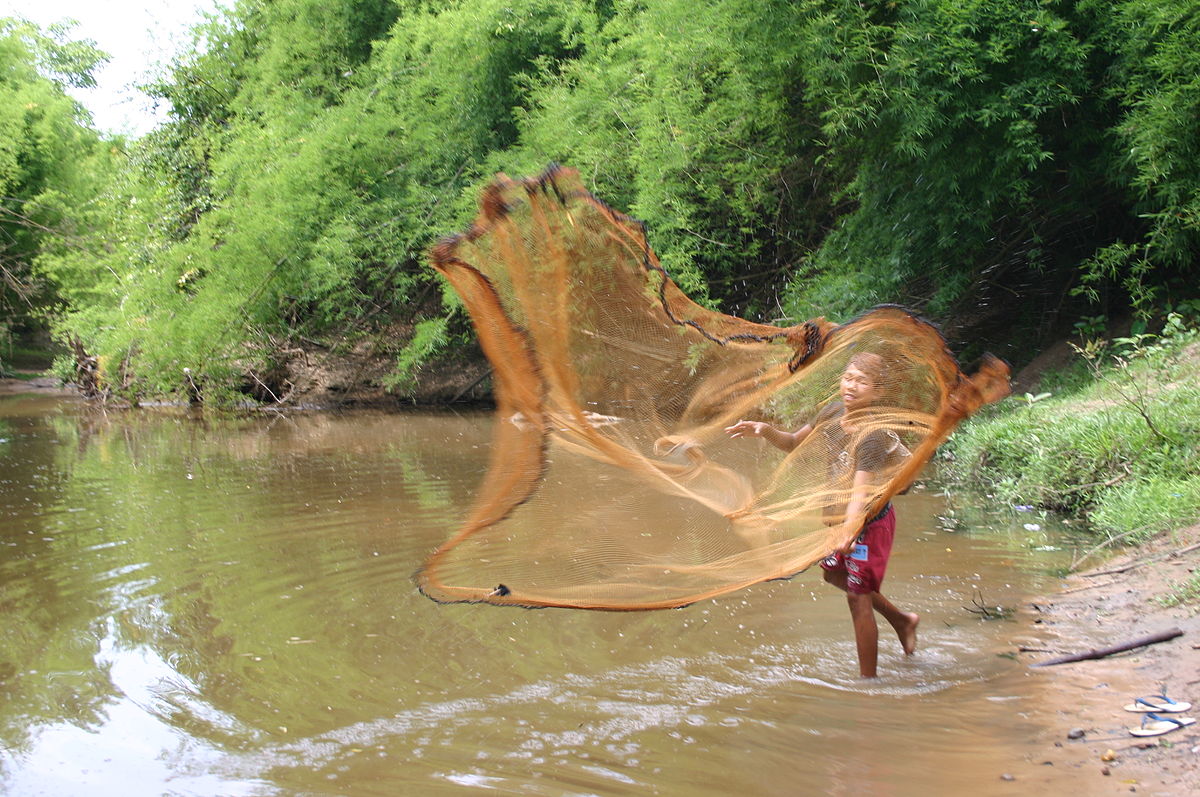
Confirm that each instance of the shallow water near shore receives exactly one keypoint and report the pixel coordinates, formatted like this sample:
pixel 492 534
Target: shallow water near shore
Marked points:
pixel 210 605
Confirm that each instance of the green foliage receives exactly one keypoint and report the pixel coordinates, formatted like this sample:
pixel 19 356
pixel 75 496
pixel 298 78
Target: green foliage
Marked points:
pixel 430 336
pixel 790 159
pixel 314 151
pixel 1120 451
pixel 687 117
pixel 43 135
pixel 1155 81
pixel 957 121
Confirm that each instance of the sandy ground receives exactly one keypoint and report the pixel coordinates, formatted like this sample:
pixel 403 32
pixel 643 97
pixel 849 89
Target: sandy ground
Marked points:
pixel 1082 743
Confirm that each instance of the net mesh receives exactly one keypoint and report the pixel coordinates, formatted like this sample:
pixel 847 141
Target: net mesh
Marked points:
pixel 613 392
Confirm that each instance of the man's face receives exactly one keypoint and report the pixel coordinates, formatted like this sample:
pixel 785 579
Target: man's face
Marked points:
pixel 857 388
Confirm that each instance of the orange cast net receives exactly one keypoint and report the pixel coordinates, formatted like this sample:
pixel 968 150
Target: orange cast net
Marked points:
pixel 612 482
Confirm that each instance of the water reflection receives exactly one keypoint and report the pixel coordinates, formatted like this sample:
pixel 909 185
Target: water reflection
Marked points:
pixel 198 605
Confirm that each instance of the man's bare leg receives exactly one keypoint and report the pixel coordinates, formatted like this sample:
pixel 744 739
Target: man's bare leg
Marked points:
pixel 904 623
pixel 866 633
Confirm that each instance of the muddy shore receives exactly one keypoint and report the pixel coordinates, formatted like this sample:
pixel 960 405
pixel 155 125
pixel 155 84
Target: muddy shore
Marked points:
pixel 39 384
pixel 1081 744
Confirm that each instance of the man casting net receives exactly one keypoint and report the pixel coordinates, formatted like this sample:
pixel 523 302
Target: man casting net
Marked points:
pixel 613 394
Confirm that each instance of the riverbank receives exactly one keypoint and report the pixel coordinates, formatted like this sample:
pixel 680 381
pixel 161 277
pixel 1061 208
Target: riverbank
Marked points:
pixel 324 377
pixel 1114 603
pixel 36 384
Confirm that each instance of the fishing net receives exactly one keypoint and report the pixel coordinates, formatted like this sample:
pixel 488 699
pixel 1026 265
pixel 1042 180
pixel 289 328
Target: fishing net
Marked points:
pixel 612 482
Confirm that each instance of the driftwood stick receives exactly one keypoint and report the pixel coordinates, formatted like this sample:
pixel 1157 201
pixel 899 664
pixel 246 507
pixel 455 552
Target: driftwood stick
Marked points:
pixel 1079 560
pixel 1153 639
pixel 1140 562
pixel 468 388
pixel 1089 586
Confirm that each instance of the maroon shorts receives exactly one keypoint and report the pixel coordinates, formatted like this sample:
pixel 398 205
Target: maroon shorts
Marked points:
pixel 867 561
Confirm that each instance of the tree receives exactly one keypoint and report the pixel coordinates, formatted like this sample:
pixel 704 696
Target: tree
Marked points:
pixel 43 132
pixel 1014 163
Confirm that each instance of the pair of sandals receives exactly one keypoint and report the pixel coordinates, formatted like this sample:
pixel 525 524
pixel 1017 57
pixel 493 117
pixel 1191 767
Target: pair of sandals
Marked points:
pixel 1155 708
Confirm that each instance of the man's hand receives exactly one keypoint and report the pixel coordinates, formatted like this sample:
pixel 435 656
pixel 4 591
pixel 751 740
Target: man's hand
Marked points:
pixel 747 429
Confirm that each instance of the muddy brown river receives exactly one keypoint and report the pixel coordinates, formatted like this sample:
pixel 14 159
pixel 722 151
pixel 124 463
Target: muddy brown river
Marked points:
pixel 203 605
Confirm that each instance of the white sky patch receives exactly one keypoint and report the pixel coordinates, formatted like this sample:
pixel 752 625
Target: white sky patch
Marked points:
pixel 138 35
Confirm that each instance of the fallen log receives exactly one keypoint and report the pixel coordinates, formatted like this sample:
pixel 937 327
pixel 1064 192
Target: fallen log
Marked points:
pixel 1153 639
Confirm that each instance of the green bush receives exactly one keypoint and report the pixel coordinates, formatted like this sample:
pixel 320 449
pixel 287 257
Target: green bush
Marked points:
pixel 1122 451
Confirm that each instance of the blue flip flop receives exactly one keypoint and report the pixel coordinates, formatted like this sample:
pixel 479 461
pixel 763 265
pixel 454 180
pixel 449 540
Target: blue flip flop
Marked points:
pixel 1158 703
pixel 1156 725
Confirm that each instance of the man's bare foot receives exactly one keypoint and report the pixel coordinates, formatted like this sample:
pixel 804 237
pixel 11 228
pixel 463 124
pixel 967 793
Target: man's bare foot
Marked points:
pixel 908 632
